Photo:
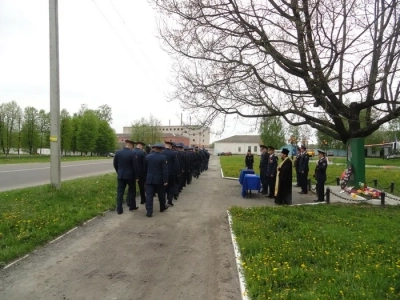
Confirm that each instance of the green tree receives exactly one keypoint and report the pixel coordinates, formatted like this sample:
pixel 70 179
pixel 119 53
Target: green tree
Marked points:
pixel 87 132
pixel 10 113
pixel 272 132
pixel 44 130
pixel 106 138
pixel 104 113
pixel 75 122
pixel 66 131
pixel 146 130
pixel 30 130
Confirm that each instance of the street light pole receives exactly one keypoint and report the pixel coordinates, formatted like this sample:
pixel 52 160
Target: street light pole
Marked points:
pixel 55 142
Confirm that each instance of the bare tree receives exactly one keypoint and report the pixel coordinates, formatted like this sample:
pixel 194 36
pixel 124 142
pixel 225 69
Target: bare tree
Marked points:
pixel 317 62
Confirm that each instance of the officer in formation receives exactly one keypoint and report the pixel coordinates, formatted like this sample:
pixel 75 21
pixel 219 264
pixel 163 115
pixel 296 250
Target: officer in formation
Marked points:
pixel 125 165
pixel 263 169
pixel 162 169
pixel 320 175
pixel 296 165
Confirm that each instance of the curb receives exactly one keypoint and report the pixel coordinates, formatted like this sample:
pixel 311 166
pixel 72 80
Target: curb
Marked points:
pixel 229 178
pixel 52 241
pixel 242 280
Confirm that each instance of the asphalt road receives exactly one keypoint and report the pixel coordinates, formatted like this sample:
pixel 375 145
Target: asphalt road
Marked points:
pixel 15 176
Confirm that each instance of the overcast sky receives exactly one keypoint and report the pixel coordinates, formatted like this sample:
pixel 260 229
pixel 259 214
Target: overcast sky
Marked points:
pixel 109 54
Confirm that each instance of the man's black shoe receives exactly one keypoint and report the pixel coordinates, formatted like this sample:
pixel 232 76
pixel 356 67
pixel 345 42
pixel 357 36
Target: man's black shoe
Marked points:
pixel 120 212
pixel 133 208
pixel 166 207
pixel 148 215
pixel 302 193
pixel 142 202
pixel 319 200
pixel 170 204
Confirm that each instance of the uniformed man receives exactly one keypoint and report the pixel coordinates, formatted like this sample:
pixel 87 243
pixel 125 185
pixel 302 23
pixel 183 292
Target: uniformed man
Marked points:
pixel 263 169
pixel 125 166
pixel 173 169
pixel 156 178
pixel 297 164
pixel 140 157
pixel 271 171
pixel 249 160
pixel 320 175
pixel 303 170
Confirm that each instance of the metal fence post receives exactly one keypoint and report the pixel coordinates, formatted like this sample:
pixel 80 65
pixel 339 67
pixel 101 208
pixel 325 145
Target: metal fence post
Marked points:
pixel 375 182
pixel 391 187
pixel 337 181
pixel 328 195
pixel 383 198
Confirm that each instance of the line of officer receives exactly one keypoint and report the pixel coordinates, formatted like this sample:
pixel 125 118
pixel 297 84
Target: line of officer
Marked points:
pixel 303 169
pixel 140 157
pixel 320 175
pixel 271 171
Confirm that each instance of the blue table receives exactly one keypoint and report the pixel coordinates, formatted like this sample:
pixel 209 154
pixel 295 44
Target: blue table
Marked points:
pixel 251 182
pixel 243 172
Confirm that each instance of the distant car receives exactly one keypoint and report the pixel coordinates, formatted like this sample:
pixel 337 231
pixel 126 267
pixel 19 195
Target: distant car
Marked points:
pixel 228 154
pixel 111 154
pixel 329 153
pixel 311 153
pixel 221 154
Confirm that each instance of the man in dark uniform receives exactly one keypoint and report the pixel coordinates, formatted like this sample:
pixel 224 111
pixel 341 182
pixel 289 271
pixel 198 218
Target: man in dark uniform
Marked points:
pixel 173 169
pixel 263 169
pixel 141 156
pixel 125 165
pixel 271 171
pixel 297 164
pixel 189 165
pixel 156 178
pixel 249 160
pixel 303 170
pixel 320 175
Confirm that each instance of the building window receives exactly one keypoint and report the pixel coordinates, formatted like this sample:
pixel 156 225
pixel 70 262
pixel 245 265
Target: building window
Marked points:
pixel 203 141
pixel 239 149
pixel 194 140
pixel 255 148
pixel 249 148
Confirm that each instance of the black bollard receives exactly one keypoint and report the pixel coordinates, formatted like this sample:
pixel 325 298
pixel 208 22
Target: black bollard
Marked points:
pixel 375 182
pixel 392 187
pixel 383 198
pixel 328 195
pixel 337 181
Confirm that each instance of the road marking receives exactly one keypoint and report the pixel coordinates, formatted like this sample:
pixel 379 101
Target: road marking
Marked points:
pixel 80 165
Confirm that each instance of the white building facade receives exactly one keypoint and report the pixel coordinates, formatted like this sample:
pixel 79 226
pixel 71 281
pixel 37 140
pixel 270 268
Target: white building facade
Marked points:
pixel 238 144
pixel 198 136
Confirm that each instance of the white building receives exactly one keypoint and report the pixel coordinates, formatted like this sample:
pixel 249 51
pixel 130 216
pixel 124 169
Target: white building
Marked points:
pixel 198 136
pixel 239 144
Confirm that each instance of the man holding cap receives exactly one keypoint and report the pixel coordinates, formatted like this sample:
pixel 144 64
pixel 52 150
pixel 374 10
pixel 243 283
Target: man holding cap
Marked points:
pixel 173 169
pixel 125 166
pixel 303 170
pixel 156 178
pixel 320 175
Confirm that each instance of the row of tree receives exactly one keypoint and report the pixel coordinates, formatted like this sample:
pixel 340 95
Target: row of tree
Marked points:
pixel 275 132
pixel 28 130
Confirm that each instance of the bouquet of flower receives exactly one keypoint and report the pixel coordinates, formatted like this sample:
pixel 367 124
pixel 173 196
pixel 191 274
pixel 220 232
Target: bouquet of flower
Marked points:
pixel 363 191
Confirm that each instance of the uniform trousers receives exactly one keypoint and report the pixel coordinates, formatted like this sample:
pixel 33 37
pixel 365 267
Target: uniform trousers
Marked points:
pixel 151 189
pixel 130 198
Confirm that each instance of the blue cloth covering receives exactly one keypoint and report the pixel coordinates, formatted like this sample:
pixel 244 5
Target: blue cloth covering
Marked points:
pixel 251 182
pixel 243 172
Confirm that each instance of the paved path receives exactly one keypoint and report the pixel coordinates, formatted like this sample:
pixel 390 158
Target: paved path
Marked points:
pixel 16 176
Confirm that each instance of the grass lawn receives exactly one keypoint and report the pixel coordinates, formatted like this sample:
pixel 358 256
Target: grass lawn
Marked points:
pixel 23 159
pixel 231 166
pixel 33 216
pixel 319 251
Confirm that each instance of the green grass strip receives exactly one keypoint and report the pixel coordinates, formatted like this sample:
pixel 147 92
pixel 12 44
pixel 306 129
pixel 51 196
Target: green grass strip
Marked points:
pixel 33 216
pixel 320 251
